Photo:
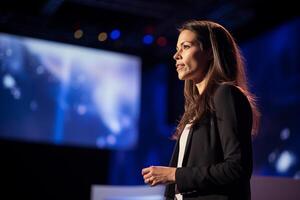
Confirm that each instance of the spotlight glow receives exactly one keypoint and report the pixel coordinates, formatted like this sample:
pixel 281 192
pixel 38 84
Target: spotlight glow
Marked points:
pixel 285 161
pixel 102 36
pixel 285 134
pixel 8 81
pixel 148 39
pixel 115 34
pixel 161 41
pixel 78 34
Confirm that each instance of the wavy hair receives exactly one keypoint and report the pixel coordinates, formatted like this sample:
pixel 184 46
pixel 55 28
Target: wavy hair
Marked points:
pixel 226 66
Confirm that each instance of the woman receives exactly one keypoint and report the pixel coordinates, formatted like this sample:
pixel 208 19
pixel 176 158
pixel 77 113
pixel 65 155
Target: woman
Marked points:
pixel 212 158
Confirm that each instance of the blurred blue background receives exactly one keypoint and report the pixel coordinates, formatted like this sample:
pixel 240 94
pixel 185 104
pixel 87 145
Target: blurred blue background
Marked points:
pixel 64 94
pixel 90 95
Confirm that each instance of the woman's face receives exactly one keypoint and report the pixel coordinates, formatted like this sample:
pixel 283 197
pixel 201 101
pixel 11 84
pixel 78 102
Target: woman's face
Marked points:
pixel 191 60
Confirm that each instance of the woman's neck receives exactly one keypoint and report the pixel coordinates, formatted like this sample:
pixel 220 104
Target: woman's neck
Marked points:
pixel 201 85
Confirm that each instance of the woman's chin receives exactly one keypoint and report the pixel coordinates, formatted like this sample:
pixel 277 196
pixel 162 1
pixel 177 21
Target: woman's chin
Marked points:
pixel 182 76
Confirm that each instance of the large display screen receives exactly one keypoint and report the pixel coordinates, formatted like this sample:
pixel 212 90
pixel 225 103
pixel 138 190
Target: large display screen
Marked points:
pixel 70 95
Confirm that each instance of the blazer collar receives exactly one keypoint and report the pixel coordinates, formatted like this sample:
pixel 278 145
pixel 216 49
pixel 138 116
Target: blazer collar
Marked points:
pixel 187 147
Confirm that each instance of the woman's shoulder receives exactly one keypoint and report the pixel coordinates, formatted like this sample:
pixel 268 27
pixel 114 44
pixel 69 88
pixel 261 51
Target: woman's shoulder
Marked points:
pixel 227 90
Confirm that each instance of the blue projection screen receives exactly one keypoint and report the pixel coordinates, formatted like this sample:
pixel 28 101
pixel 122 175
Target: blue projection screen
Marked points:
pixel 64 94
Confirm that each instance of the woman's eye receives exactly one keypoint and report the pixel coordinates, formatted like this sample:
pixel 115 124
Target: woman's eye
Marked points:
pixel 186 46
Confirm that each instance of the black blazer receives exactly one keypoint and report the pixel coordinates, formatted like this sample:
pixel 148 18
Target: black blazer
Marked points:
pixel 217 163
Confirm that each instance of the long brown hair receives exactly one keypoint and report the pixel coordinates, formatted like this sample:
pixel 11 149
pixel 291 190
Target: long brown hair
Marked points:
pixel 227 66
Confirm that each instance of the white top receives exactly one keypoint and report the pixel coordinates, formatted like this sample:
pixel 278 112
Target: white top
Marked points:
pixel 182 145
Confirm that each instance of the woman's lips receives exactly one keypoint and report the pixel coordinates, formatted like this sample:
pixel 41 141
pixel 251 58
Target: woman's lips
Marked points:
pixel 179 67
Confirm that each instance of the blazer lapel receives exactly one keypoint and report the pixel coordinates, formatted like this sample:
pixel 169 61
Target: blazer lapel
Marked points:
pixel 187 147
pixel 174 157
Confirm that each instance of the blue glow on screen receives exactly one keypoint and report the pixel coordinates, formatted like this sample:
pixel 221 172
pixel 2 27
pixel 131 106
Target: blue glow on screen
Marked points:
pixel 65 94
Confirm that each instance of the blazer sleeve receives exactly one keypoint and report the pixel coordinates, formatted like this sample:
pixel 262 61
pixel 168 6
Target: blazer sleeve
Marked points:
pixel 234 124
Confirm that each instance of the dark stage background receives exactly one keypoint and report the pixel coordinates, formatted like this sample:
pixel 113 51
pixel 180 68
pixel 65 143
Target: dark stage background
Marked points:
pixel 44 163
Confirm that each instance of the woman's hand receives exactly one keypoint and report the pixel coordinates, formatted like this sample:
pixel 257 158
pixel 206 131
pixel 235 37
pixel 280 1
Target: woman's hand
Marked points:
pixel 155 175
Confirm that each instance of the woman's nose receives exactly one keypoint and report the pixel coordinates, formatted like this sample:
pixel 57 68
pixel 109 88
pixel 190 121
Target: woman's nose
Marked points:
pixel 176 55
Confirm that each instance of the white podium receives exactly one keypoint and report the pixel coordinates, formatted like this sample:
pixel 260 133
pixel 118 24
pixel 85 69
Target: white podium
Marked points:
pixel 144 192
pixel 262 188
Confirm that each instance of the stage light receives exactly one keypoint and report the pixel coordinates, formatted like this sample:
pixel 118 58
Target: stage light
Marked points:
pixel 16 92
pixel 285 161
pixel 8 81
pixel 102 36
pixel 285 134
pixel 161 41
pixel 148 39
pixel 78 34
pixel 115 34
